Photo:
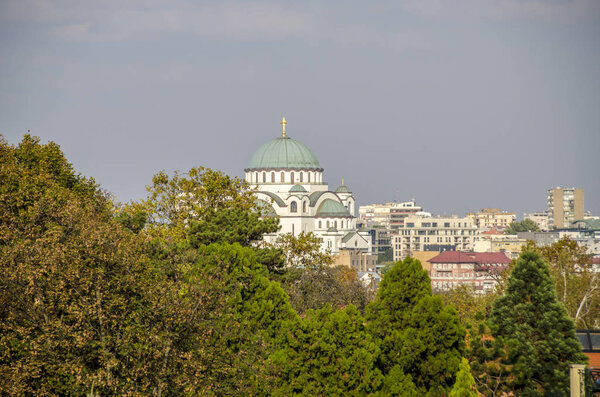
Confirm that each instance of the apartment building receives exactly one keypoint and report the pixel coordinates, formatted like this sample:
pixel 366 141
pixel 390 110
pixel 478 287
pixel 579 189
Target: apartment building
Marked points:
pixel 489 218
pixel 565 205
pixel 480 270
pixel 439 233
pixel 540 219
pixel 388 215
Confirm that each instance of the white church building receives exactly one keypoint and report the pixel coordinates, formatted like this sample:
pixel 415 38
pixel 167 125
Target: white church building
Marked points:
pixel 289 182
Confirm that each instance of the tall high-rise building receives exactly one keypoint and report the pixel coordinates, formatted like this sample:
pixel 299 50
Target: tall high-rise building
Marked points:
pixel 565 205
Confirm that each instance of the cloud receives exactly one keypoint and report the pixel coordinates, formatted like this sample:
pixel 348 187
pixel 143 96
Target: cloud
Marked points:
pixel 244 21
pixel 544 10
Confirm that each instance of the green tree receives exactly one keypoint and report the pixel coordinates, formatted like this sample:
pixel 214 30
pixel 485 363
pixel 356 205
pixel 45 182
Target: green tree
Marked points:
pixel 328 354
pixel 576 282
pixel 174 202
pixel 465 384
pixel 526 225
pixel 417 334
pixel 533 338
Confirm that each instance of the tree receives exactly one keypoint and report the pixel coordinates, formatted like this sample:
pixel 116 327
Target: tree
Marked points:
pixel 329 354
pixel 533 338
pixel 303 251
pixel 174 202
pixel 526 225
pixel 465 384
pixel 576 282
pixel 418 336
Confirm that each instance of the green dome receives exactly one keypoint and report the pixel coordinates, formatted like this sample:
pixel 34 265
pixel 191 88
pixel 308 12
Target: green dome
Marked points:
pixel 298 188
pixel 342 189
pixel 281 153
pixel 332 208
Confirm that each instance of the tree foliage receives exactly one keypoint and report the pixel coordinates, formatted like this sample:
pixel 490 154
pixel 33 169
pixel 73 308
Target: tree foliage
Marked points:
pixel 418 335
pixel 526 225
pixel 465 384
pixel 576 281
pixel 328 353
pixel 532 339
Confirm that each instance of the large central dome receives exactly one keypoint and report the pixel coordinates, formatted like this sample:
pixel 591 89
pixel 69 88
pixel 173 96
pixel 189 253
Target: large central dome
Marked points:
pixel 284 153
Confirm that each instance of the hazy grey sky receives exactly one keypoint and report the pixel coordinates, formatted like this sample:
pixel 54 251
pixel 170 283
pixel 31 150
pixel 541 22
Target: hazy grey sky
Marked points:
pixel 459 104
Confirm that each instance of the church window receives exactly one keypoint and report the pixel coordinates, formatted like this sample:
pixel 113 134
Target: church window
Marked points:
pixel 272 177
pixel 264 177
pixel 308 177
pixel 292 178
pixel 327 224
pixel 342 224
pixel 335 224
pixel 301 177
pixel 282 177
pixel 304 206
pixel 320 225
pixel 256 177
pixel 293 207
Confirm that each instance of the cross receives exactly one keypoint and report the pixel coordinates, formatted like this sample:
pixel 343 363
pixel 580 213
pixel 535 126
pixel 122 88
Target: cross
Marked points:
pixel 283 123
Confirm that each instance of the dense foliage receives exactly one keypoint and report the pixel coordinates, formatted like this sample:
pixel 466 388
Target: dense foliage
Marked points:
pixel 179 295
pixel 418 335
pixel 532 339
pixel 526 225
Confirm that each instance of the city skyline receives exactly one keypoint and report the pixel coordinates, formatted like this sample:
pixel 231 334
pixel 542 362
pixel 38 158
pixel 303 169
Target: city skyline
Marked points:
pixel 463 107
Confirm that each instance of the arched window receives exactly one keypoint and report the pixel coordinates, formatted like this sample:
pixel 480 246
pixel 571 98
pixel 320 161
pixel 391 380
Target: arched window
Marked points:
pixel 272 177
pixel 301 177
pixel 292 178
pixel 264 177
pixel 342 224
pixel 327 224
pixel 309 177
pixel 304 206
pixel 282 177
pixel 293 207
pixel 320 225
pixel 256 177
pixel 335 224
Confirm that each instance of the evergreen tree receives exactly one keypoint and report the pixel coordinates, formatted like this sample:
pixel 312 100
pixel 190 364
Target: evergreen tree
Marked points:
pixel 327 354
pixel 417 335
pixel 534 340
pixel 465 384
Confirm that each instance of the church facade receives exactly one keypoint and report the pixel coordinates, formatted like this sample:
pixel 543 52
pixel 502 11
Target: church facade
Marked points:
pixel 289 184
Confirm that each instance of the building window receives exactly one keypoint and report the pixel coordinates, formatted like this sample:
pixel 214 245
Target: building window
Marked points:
pixel 320 225
pixel 264 177
pixel 272 177
pixel 301 177
pixel 292 178
pixel 304 206
pixel 309 177
pixel 327 224
pixel 446 224
pixel 342 224
pixel 256 177
pixel 293 207
pixel 335 224
pixel 282 177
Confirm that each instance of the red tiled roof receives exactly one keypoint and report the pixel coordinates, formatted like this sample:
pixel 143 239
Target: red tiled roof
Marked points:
pixel 481 258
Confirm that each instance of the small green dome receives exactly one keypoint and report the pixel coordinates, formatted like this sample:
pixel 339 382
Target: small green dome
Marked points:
pixel 332 208
pixel 298 188
pixel 281 153
pixel 342 189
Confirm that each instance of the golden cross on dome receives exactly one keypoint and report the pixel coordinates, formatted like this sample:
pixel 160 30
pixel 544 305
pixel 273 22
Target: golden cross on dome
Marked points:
pixel 283 123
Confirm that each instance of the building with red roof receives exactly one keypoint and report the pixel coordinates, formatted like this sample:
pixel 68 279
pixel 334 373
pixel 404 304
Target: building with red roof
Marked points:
pixel 481 270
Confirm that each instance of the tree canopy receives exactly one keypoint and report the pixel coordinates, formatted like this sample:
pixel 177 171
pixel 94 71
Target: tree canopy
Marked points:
pixel 526 225
pixel 532 338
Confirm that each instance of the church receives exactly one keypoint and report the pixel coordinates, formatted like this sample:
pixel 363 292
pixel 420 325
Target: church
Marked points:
pixel 288 180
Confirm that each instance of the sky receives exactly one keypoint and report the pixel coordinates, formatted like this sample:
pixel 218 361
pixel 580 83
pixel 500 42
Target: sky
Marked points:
pixel 460 105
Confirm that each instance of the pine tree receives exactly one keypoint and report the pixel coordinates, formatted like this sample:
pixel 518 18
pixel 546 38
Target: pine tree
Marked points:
pixel 327 354
pixel 533 336
pixel 465 384
pixel 417 335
